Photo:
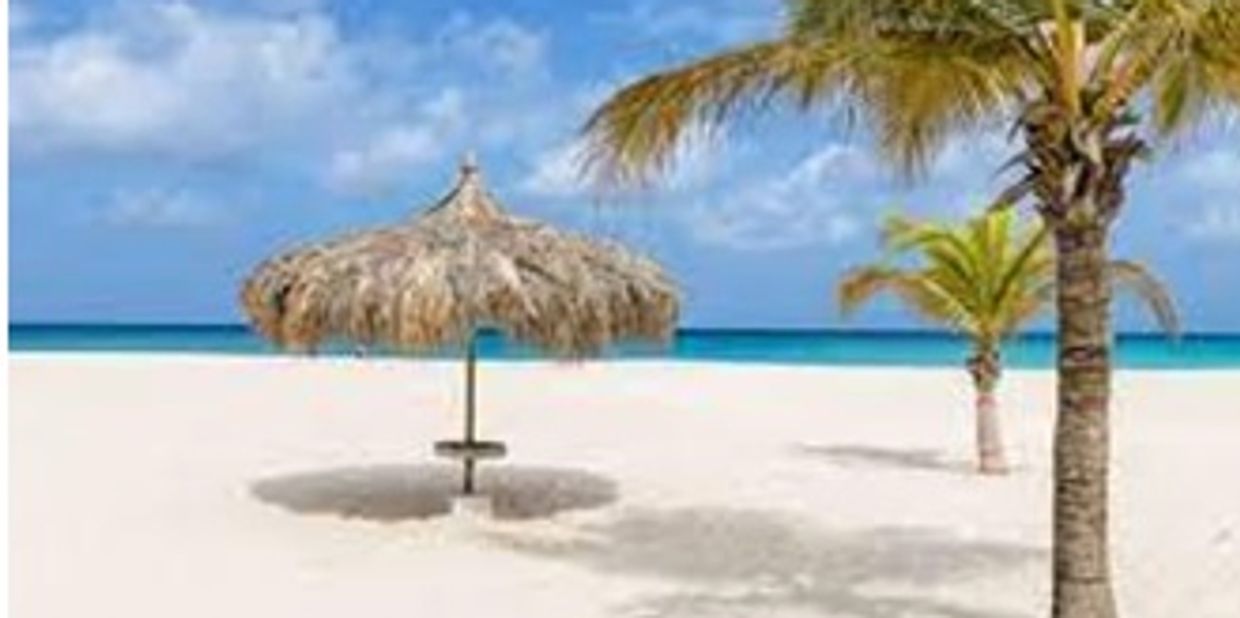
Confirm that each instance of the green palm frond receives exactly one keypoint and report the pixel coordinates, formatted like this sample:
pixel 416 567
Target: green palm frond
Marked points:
pixel 924 294
pixel 1134 277
pixel 1030 266
pixel 986 278
pixel 1024 308
pixel 959 274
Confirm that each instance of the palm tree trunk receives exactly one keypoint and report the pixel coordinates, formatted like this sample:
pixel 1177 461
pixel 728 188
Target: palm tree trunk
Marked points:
pixel 984 368
pixel 1081 569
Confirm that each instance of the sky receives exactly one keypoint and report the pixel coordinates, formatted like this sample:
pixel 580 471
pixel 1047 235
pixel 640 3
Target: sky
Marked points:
pixel 160 149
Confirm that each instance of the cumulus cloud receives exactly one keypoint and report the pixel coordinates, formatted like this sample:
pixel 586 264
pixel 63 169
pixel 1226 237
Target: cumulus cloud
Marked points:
pixel 499 43
pixel 1217 222
pixel 836 192
pixel 376 166
pixel 1208 182
pixel 556 173
pixel 179 81
pixel 1216 169
pixel 159 208
pixel 732 196
pixel 803 207
pixel 176 79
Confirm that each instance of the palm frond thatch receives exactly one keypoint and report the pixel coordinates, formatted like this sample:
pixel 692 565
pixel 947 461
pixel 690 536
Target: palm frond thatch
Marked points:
pixel 462 264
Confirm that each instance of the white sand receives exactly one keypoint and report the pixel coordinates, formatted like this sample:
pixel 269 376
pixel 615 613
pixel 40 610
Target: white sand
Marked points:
pixel 170 486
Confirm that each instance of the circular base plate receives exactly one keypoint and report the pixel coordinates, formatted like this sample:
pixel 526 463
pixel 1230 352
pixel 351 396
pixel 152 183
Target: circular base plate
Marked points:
pixel 476 449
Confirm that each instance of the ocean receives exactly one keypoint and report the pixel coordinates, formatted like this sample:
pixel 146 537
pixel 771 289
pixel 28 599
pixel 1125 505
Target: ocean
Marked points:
pixel 800 347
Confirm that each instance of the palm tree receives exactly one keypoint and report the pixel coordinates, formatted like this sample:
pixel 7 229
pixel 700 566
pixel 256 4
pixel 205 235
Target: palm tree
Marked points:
pixel 1086 83
pixel 985 279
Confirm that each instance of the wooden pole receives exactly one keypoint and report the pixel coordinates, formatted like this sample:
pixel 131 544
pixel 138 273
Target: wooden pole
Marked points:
pixel 470 422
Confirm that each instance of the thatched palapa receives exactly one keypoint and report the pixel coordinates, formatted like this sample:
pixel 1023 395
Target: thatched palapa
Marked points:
pixel 461 265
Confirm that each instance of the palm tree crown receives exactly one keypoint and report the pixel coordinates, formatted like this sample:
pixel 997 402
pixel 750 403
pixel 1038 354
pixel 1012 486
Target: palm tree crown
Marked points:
pixel 921 71
pixel 985 279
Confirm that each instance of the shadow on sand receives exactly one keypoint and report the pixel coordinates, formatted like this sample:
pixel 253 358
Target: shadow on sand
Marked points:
pixel 726 562
pixel 390 493
pixel 878 457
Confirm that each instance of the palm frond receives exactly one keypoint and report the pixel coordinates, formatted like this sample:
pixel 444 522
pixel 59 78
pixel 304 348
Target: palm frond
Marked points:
pixel 918 71
pixel 859 285
pixel 1185 52
pixel 919 290
pixel 932 300
pixel 1029 267
pixel 1127 275
pixel 636 132
pixel 1027 306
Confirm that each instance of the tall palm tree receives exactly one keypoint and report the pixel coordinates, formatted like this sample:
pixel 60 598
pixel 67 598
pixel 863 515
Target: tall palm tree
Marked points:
pixel 1086 83
pixel 985 279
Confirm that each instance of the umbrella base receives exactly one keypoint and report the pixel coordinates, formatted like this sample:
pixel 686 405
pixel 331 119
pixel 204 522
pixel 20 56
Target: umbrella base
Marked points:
pixel 469 453
pixel 464 450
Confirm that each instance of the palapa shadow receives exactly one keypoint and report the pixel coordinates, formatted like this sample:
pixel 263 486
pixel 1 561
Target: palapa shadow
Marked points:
pixel 879 457
pixel 728 562
pixel 391 493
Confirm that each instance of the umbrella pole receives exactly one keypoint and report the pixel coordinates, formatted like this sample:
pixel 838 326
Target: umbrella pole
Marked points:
pixel 470 423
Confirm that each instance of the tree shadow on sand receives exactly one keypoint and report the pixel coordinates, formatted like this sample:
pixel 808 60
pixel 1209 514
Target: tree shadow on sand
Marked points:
pixel 390 493
pixel 725 562
pixel 878 457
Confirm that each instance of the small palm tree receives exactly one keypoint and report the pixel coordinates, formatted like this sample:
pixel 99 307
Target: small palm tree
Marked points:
pixel 1088 85
pixel 985 279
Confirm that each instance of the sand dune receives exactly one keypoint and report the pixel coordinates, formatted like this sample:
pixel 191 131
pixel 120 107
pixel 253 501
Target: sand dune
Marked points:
pixel 189 486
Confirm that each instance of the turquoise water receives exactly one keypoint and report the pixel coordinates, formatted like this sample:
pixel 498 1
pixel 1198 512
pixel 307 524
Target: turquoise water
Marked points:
pixel 907 348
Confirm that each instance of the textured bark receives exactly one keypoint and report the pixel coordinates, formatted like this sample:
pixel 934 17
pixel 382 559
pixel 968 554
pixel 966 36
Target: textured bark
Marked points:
pixel 1081 569
pixel 1076 170
pixel 984 368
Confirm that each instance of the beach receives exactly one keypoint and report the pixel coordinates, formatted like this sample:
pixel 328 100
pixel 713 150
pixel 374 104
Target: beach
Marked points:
pixel 180 485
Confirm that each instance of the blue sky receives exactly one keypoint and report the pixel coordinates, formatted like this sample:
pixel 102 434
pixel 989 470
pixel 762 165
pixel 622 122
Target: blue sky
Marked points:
pixel 159 149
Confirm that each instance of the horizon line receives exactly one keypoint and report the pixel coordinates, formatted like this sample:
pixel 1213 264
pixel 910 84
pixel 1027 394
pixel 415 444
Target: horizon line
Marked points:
pixel 740 330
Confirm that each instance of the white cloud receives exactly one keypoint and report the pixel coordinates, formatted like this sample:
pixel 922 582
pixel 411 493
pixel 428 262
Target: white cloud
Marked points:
pixel 1216 169
pixel 1217 222
pixel 838 191
pixel 558 170
pixel 500 43
pixel 802 207
pixel 1207 184
pixel 969 157
pixel 372 168
pixel 378 164
pixel 833 162
pixel 175 79
pixel 159 208
pixel 556 173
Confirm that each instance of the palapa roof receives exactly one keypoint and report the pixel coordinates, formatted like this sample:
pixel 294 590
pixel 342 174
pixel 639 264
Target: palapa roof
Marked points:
pixel 463 263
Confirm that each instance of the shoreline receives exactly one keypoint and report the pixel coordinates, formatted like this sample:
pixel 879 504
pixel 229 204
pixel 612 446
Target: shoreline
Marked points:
pixel 347 360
